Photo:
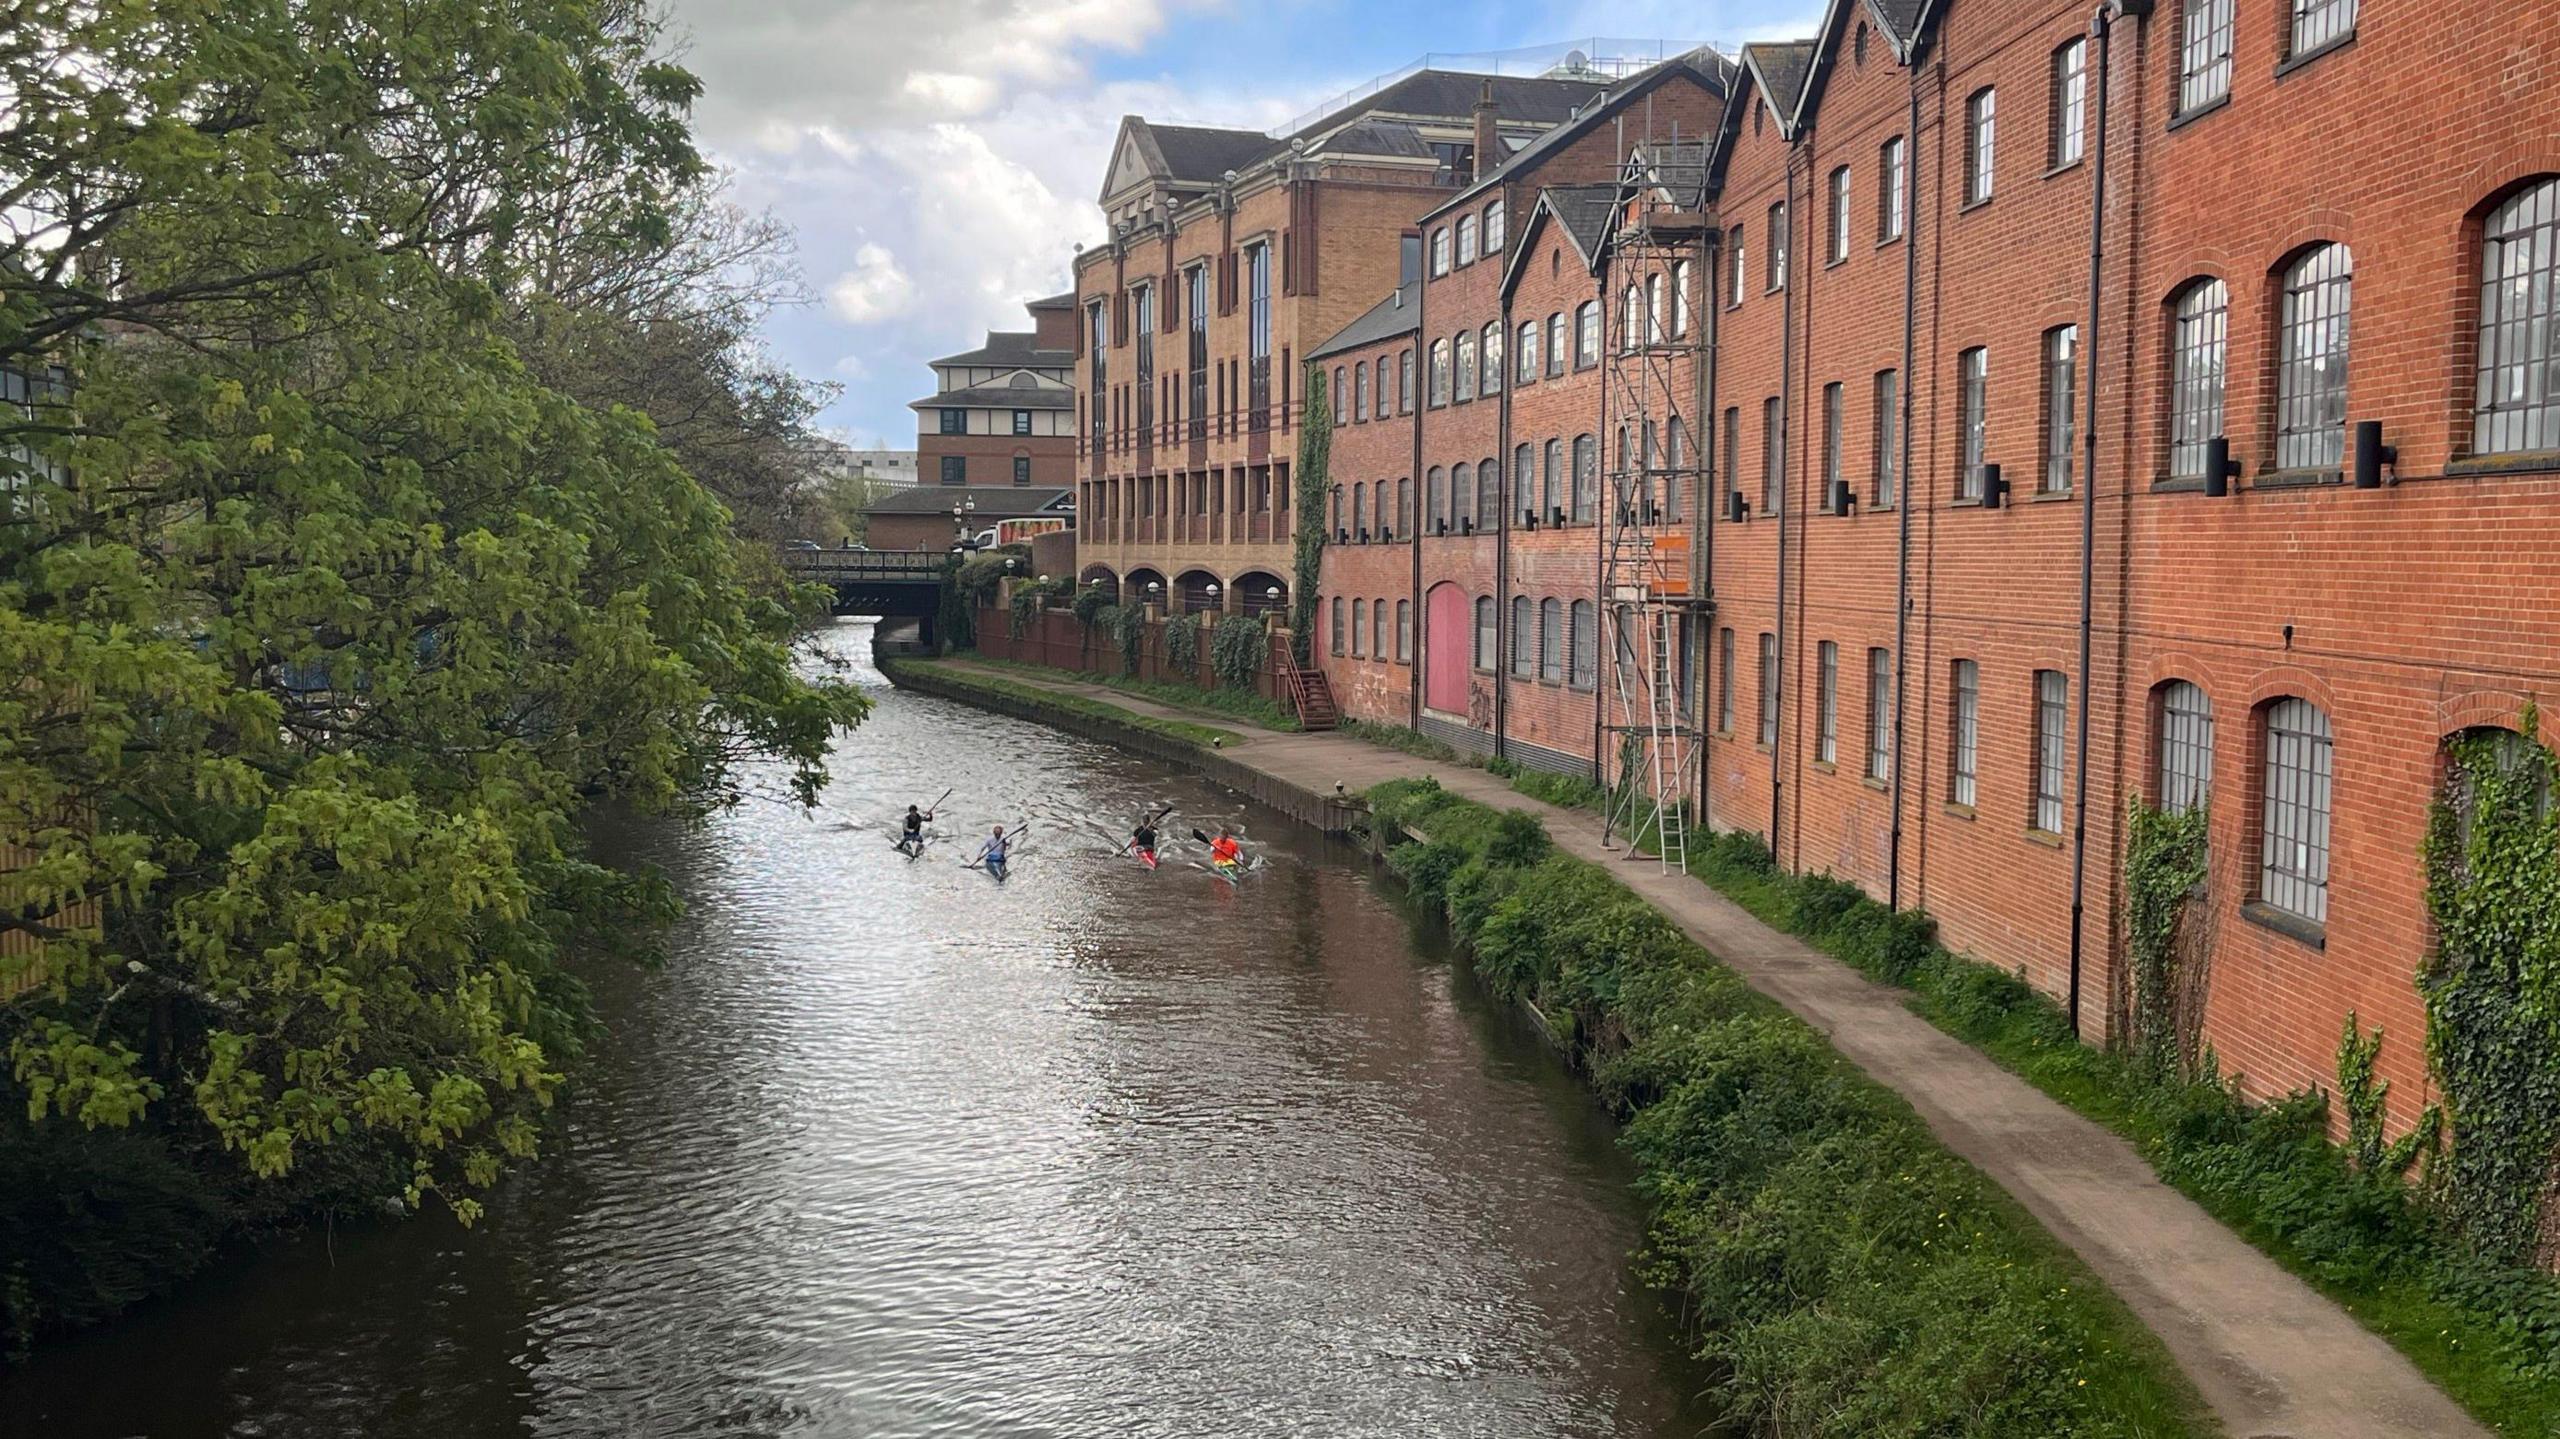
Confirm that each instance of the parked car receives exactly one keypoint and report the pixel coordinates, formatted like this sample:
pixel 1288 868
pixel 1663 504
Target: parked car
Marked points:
pixel 801 545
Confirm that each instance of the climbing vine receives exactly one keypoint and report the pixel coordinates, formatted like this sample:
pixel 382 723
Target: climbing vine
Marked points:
pixel 1315 463
pixel 2363 1094
pixel 2492 986
pixel 2164 870
pixel 1128 627
pixel 1029 599
pixel 1236 650
pixel 1090 602
pixel 1182 646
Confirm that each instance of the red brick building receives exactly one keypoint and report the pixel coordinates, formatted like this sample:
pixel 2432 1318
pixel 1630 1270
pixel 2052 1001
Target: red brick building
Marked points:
pixel 1004 413
pixel 1233 255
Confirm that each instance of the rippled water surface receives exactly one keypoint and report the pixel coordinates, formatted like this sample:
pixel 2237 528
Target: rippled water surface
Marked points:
pixel 889 1149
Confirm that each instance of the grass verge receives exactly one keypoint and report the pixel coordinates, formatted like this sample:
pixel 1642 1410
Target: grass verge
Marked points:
pixel 1397 737
pixel 1251 706
pixel 1842 1271
pixel 2489 1335
pixel 1202 736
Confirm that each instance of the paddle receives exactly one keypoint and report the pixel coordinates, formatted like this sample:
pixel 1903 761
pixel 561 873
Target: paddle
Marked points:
pixel 981 860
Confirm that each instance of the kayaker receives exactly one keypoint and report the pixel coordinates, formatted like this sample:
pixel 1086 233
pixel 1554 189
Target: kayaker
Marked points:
pixel 913 831
pixel 1224 850
pixel 993 855
pixel 1143 839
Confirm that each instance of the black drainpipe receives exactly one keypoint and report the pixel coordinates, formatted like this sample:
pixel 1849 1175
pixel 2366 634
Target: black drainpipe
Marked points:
pixel 1903 492
pixel 1783 440
pixel 1421 355
pixel 1704 500
pixel 2103 22
pixel 1502 637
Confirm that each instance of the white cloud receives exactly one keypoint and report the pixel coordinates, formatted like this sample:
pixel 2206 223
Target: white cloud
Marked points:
pixel 875 289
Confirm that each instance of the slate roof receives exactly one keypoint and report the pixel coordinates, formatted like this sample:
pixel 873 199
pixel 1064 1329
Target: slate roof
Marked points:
pixel 1708 67
pixel 1585 212
pixel 1453 93
pixel 994 502
pixel 1900 19
pixel 1013 350
pixel 1066 301
pixel 999 397
pixel 1385 320
pixel 1205 153
pixel 1783 67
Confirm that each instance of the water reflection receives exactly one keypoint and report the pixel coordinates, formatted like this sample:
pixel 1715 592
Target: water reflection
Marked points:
pixel 891 1149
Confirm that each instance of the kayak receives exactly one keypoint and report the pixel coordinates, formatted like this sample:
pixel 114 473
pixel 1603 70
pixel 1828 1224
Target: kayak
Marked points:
pixel 996 867
pixel 1147 857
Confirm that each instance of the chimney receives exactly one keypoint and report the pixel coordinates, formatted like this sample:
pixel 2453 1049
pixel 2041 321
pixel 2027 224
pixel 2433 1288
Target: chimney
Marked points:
pixel 1488 135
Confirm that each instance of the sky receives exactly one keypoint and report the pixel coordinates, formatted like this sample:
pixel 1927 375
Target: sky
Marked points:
pixel 938 160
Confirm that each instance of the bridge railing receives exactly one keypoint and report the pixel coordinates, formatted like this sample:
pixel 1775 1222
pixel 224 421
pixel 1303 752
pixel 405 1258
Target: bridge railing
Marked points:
pixel 852 565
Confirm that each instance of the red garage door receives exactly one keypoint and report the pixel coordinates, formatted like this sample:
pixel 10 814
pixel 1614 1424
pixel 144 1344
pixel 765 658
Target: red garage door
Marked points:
pixel 1444 649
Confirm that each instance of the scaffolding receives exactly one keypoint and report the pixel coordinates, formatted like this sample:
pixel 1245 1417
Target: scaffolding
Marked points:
pixel 1653 598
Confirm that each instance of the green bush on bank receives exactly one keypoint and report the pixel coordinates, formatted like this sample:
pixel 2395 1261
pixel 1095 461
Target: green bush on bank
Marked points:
pixel 901 671
pixel 1845 1274
pixel 1246 705
pixel 2488 1333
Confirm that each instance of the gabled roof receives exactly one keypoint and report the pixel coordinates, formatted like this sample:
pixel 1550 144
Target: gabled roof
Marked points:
pixel 1384 320
pixel 1201 153
pixel 1702 64
pixel 993 502
pixel 1011 350
pixel 1902 22
pixel 1585 214
pixel 1782 69
pixel 1066 301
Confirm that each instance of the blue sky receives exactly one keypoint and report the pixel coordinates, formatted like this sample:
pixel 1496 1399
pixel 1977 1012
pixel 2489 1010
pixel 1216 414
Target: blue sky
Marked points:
pixel 937 159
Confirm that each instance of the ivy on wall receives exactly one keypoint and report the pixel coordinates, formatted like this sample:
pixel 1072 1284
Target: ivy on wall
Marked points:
pixel 1236 650
pixel 1315 462
pixel 1029 598
pixel 2164 874
pixel 1182 645
pixel 2492 987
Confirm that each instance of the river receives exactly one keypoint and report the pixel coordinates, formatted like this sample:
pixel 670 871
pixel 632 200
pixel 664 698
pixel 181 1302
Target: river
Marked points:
pixel 890 1149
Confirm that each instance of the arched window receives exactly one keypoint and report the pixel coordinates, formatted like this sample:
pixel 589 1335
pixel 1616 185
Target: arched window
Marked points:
pixel 1586 479
pixel 1586 341
pixel 1655 312
pixel 1360 392
pixel 1492 360
pixel 1467 366
pixel 2197 335
pixel 1551 485
pixel 1337 511
pixel 2476 758
pixel 1386 388
pixel 1404 632
pixel 1466 239
pixel 1341 397
pixel 1462 494
pixel 1524 481
pixel 1675 461
pixel 1523 639
pixel 1440 251
pixel 1630 319
pixel 2519 402
pixel 1586 645
pixel 1359 629
pixel 1489 497
pixel 1551 641
pixel 1360 511
pixel 1377 629
pixel 1439 372
pixel 1337 624
pixel 2186 746
pixel 1493 227
pixel 1680 300
pixel 2293 810
pixel 1778 246
pixel 1739 264
pixel 1487 653
pixel 1404 506
pixel 1528 351
pixel 1435 500
pixel 2311 374
pixel 1556 344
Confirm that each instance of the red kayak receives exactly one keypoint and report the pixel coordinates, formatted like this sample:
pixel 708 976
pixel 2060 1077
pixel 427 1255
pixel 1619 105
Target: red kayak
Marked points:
pixel 1148 856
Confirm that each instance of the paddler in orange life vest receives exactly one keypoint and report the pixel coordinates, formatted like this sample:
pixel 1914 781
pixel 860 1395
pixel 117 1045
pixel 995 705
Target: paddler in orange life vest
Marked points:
pixel 1224 851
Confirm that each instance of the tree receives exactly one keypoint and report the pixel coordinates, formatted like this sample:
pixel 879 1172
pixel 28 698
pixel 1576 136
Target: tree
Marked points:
pixel 337 616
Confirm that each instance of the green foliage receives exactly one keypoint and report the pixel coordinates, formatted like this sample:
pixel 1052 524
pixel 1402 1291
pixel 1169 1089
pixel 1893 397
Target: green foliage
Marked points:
pixel 1182 644
pixel 1029 599
pixel 1315 478
pixel 1246 705
pixel 1091 603
pixel 2492 985
pixel 1397 737
pixel 2164 871
pixel 1842 1272
pixel 351 616
pixel 2489 1332
pixel 2364 1094
pixel 1127 626
pixel 1565 791
pixel 1238 648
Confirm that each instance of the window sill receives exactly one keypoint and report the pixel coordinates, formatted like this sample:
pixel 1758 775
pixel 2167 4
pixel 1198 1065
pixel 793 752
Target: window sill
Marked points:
pixel 1887 242
pixel 2043 495
pixel 1835 262
pixel 2291 926
pixel 1969 206
pixel 2330 46
pixel 2295 479
pixel 2187 117
pixel 2177 485
pixel 1959 811
pixel 2044 837
pixel 2518 462
pixel 2065 168
pixel 1965 502
pixel 1764 747
pixel 1873 783
pixel 1824 766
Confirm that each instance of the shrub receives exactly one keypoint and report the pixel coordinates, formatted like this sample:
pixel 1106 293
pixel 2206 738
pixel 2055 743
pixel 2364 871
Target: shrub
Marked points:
pixel 1091 603
pixel 1182 645
pixel 1237 649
